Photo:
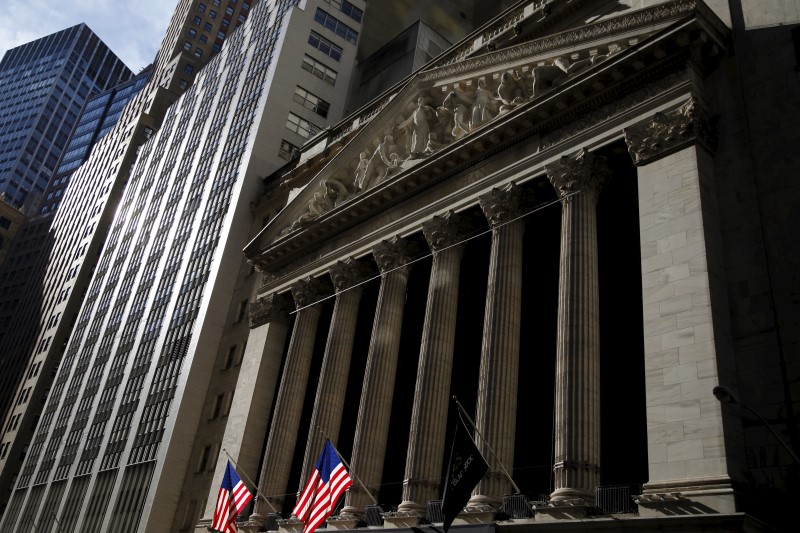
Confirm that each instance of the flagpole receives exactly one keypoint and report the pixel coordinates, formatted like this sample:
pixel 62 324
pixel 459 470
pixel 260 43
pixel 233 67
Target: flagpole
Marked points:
pixel 350 470
pixel 250 480
pixel 494 456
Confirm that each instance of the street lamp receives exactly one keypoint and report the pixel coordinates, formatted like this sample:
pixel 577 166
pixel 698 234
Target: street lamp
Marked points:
pixel 724 395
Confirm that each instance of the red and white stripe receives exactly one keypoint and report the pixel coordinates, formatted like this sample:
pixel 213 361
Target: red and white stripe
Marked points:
pixel 326 497
pixel 229 506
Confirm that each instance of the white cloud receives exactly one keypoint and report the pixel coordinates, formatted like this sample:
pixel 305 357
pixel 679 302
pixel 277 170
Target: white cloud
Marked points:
pixel 132 29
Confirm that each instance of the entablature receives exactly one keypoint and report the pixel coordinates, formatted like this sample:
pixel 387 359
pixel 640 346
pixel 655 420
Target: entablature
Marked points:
pixel 527 92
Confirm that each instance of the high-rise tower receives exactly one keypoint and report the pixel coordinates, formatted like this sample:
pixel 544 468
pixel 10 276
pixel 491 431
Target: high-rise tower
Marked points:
pixel 43 85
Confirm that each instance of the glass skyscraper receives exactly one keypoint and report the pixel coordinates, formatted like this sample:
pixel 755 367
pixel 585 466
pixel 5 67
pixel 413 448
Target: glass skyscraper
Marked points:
pixel 43 86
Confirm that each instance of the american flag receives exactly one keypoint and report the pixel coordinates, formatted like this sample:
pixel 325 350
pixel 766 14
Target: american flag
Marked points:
pixel 326 484
pixel 232 498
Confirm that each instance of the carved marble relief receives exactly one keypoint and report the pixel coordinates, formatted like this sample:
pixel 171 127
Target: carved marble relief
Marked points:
pixel 429 125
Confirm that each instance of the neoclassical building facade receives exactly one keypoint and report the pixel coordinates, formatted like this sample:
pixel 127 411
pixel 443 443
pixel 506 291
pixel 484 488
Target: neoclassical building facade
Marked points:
pixel 538 222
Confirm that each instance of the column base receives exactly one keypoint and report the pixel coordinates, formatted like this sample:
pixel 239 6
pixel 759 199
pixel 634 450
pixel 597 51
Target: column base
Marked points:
pixel 475 515
pixel 483 503
pixel 561 509
pixel 290 525
pixel 569 495
pixel 351 513
pixel 402 519
pixel 711 495
pixel 341 523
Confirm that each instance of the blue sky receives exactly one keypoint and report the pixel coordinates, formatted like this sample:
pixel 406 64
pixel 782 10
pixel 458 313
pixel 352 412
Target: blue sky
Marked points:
pixel 131 28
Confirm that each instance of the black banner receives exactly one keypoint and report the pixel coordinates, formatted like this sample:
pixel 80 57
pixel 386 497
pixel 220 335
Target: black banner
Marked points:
pixel 466 468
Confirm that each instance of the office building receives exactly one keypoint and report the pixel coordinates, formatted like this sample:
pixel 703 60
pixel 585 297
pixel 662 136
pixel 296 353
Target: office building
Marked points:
pixel 44 85
pixel 51 275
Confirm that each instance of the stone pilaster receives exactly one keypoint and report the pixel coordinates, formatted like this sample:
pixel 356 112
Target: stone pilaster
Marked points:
pixel 369 446
pixel 577 402
pixel 427 435
pixel 255 387
pixel 499 367
pixel 289 404
pixel 329 402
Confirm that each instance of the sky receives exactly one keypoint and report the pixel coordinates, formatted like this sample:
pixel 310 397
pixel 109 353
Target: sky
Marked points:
pixel 131 28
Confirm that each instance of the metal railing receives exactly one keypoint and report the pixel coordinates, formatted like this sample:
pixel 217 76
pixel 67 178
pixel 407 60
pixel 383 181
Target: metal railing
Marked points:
pixel 616 499
pixel 516 506
pixel 435 515
pixel 372 515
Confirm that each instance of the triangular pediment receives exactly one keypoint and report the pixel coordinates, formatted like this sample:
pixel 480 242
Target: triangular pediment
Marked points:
pixel 455 110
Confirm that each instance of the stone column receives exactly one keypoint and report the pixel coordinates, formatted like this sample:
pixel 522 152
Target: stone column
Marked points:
pixel 499 367
pixel 369 446
pixel 577 402
pixel 255 388
pixel 335 369
pixel 426 439
pixel 289 405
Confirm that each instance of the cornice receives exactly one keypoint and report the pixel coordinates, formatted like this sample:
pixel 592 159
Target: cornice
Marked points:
pixel 586 100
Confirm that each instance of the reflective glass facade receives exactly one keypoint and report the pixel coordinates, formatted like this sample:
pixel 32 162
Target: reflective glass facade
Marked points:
pixel 43 86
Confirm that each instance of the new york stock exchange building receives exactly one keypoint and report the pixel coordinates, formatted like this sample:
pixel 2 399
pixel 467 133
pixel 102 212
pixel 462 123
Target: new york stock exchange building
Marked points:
pixel 581 226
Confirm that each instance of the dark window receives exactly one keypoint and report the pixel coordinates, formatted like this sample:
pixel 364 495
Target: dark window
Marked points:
pixel 325 46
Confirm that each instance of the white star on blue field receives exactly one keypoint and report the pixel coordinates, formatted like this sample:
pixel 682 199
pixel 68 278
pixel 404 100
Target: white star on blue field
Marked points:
pixel 132 29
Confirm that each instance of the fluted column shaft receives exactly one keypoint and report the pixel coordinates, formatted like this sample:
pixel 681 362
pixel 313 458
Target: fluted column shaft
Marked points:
pixel 577 401
pixel 289 404
pixel 426 439
pixel 332 387
pixel 369 446
pixel 499 367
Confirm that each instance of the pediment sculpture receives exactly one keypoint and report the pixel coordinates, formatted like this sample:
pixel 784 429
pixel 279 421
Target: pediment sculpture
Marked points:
pixel 427 127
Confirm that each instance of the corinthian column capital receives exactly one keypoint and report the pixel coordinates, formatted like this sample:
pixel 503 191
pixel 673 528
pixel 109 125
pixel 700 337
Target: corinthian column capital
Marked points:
pixel 580 173
pixel 442 231
pixel 502 205
pixel 393 254
pixel 267 309
pixel 307 291
pixel 345 274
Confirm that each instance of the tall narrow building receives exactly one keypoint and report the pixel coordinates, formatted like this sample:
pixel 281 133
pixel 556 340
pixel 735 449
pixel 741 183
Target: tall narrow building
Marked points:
pixel 56 271
pixel 43 86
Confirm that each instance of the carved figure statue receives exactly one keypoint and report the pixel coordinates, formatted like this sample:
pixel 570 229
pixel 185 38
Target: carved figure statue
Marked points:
pixel 361 170
pixel 480 110
pixel 460 115
pixel 380 162
pixel 331 192
pixel 444 121
pixel 421 117
pixel 510 92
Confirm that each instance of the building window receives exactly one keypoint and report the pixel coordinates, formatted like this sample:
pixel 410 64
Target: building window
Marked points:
pixel 319 70
pixel 336 26
pixel 287 150
pixel 212 14
pixel 201 8
pixel 216 3
pixel 312 102
pixel 301 126
pixel 188 69
pixel 325 46
pixel 196 21
pixel 204 456
pixel 242 312
pixel 183 84
pixel 230 358
pixel 229 10
pixel 221 35
pixel 198 52
pixel 207 26
pixel 347 8
pixel 216 409
pixel 215 48
pixel 192 32
pixel 187 45
pixel 203 39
